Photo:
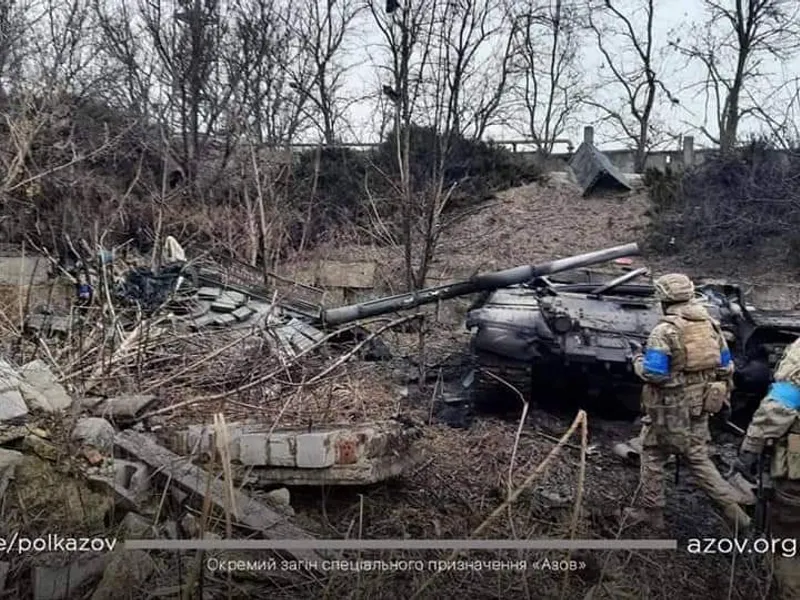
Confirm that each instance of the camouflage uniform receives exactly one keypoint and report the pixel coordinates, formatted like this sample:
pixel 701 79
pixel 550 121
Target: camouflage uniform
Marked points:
pixel 688 374
pixel 777 419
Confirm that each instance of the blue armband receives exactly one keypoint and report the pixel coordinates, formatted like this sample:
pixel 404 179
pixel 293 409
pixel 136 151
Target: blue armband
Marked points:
pixel 725 358
pixel 656 362
pixel 785 393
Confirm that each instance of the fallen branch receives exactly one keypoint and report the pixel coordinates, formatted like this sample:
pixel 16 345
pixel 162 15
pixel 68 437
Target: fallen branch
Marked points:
pixel 344 358
pixel 260 381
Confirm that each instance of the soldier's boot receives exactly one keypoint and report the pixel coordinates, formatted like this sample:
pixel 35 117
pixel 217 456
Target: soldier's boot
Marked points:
pixel 654 517
pixel 738 519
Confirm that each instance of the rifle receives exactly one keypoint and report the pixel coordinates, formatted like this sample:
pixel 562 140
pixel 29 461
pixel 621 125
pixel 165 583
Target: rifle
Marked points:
pixel 765 488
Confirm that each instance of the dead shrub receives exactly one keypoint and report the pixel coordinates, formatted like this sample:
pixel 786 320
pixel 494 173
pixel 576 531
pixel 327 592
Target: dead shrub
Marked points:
pixel 730 204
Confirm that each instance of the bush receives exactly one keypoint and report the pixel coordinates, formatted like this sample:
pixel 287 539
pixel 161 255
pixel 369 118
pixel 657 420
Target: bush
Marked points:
pixel 730 203
pixel 475 168
pixel 115 193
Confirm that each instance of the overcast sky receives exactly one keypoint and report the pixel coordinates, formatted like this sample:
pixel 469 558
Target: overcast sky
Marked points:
pixel 671 16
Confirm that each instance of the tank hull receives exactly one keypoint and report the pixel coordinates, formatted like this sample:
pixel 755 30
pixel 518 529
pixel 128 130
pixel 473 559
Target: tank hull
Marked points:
pixel 552 337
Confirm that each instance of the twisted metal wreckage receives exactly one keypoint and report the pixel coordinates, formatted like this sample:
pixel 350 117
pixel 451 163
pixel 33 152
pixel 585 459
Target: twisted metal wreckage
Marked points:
pixel 555 323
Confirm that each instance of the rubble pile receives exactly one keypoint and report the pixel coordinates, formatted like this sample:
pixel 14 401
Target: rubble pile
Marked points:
pixel 93 438
pixel 68 463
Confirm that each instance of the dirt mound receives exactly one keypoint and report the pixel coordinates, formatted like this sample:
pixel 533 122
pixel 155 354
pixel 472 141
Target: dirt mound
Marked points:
pixel 523 225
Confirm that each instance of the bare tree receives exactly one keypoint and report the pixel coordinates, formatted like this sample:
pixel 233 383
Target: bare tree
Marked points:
pixel 407 34
pixel 16 20
pixel 186 38
pixel 733 44
pixel 631 64
pixel 547 86
pixel 268 57
pixel 469 72
pixel 325 27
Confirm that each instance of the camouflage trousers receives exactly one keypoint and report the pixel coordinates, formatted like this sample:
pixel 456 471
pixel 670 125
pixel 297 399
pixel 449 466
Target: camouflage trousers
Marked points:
pixel 691 445
pixel 784 520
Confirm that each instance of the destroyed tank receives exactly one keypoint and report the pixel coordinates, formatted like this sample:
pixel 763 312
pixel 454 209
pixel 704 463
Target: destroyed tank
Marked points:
pixel 574 334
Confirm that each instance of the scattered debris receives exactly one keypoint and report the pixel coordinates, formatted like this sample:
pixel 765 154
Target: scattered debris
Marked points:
pixel 181 472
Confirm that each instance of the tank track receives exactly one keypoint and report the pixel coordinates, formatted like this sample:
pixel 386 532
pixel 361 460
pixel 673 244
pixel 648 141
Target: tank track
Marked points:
pixel 485 387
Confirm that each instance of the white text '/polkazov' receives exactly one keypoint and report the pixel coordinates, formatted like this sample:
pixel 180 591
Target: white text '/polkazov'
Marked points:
pixel 785 547
pixel 56 543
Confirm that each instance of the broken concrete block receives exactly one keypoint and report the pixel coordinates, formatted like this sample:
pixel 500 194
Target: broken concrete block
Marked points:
pixel 253 449
pixel 168 466
pixel 134 476
pixel 12 404
pixel 281 500
pixel 135 526
pixel 281 451
pixel 9 459
pixel 40 447
pixel 94 431
pixel 124 575
pixel 57 583
pixel 124 407
pixel 129 484
pixel 40 388
pixel 314 451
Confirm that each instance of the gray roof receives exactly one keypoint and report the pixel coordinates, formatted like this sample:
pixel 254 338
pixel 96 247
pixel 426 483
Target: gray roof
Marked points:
pixel 593 169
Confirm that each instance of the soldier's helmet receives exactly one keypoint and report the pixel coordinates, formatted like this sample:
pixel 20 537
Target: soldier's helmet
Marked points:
pixel 674 287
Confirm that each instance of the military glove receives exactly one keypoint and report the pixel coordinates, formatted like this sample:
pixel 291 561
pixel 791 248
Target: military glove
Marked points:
pixel 725 412
pixel 746 464
pixel 636 347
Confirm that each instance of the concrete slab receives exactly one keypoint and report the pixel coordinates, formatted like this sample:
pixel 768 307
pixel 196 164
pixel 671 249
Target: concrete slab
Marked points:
pixel 253 449
pixel 345 455
pixel 315 450
pixel 25 270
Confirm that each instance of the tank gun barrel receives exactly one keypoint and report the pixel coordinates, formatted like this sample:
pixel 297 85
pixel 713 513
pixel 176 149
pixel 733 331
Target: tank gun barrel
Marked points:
pixel 479 283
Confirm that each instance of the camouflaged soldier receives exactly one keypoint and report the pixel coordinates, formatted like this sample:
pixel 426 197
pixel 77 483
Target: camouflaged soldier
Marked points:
pixel 776 421
pixel 688 374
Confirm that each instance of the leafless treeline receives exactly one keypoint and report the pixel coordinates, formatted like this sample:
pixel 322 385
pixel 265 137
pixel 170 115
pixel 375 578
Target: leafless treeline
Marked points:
pixel 278 71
